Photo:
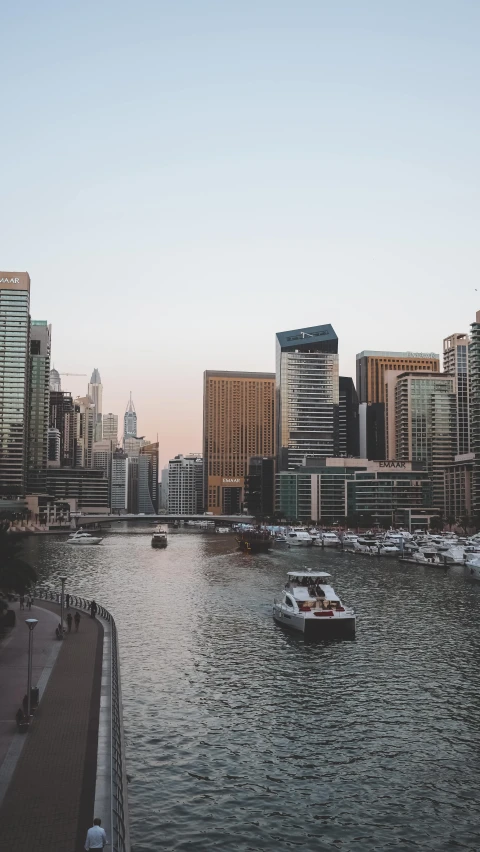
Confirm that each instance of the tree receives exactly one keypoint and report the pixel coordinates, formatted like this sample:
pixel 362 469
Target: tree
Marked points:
pixel 16 575
pixel 451 521
pixel 465 522
pixel 436 523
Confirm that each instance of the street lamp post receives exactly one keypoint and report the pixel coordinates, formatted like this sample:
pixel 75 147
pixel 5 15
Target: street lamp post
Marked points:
pixel 31 624
pixel 62 579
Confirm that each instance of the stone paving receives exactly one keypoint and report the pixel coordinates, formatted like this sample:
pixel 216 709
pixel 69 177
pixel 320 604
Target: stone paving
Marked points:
pixel 49 802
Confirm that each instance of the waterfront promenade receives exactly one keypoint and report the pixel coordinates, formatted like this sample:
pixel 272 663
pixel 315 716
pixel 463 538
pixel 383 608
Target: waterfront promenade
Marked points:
pixel 53 777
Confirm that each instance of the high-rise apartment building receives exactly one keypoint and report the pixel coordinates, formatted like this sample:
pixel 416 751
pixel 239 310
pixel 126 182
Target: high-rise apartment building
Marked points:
pixel 371 377
pixel 348 419
pixel 38 407
pixel 84 431
pixel 185 484
pixel 130 420
pixel 102 455
pixel 238 423
pixel 474 372
pixel 148 478
pixel 119 482
pixel 307 387
pixel 55 381
pixel 63 420
pixel 14 376
pixel 260 487
pixel 455 363
pixel 95 392
pixel 110 427
pixel 421 423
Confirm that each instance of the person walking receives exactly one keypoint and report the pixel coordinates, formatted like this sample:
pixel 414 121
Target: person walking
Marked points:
pixel 69 621
pixel 67 601
pixel 77 621
pixel 22 601
pixel 29 602
pixel 93 609
pixel 96 837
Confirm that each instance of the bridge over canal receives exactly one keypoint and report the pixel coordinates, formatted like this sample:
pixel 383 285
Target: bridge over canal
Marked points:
pixel 219 520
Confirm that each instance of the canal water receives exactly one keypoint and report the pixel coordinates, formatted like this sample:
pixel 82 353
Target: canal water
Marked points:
pixel 242 737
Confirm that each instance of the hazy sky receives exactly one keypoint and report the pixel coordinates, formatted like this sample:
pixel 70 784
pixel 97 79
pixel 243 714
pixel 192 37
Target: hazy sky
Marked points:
pixel 183 179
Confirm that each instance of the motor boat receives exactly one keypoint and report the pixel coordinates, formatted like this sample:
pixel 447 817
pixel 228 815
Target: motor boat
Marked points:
pixel 472 568
pixel 223 529
pixel 82 537
pixel 280 538
pixel 310 606
pixel 327 539
pixel 159 538
pixel 428 557
pixel 298 537
pixel 349 540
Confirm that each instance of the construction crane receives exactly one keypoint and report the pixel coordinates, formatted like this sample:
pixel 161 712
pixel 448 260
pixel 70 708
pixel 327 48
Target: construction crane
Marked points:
pixel 72 374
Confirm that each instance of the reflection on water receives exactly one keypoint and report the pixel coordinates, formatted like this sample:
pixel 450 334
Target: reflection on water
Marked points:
pixel 242 737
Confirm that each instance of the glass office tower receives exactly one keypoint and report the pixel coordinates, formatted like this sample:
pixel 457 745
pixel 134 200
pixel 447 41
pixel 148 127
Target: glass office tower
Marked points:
pixel 39 407
pixel 307 388
pixel 14 369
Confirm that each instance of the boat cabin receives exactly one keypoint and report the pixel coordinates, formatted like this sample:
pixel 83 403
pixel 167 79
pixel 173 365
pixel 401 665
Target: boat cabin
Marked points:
pixel 309 590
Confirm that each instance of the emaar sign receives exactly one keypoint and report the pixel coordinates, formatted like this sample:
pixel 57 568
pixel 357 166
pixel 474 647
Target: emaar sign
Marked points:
pixel 9 280
pixel 401 465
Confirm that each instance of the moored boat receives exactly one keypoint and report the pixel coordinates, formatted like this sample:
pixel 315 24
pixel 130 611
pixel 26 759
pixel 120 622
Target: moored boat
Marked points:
pixel 254 541
pixel 310 606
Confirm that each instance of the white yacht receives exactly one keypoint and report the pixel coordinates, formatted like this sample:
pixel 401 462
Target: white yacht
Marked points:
pixel 472 568
pixel 223 529
pixel 349 540
pixel 327 539
pixel 159 538
pixel 310 605
pixel 298 537
pixel 81 537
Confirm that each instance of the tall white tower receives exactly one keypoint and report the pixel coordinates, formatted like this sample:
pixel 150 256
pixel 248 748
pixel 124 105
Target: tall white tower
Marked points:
pixel 130 420
pixel 95 392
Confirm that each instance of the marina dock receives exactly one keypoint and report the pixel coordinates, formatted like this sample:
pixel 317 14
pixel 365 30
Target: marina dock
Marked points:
pixel 69 767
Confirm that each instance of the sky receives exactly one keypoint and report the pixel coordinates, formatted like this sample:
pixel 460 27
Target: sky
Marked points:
pixel 184 179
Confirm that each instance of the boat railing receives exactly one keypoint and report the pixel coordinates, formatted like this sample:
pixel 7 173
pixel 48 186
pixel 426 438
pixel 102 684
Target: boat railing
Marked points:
pixel 118 790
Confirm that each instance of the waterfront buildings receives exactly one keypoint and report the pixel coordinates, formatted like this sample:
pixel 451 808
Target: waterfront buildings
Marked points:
pixel 455 363
pixel 474 373
pixel 348 419
pixel 85 490
pixel 421 423
pixel 356 491
pixel 130 420
pixel 371 375
pixel 307 389
pixel 148 478
pixel 38 405
pixel 110 427
pixel 185 484
pixel 84 431
pixel 95 392
pixel 260 487
pixel 238 423
pixel 14 374
pixel 119 482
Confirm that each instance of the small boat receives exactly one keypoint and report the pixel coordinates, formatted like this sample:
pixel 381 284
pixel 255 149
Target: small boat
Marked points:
pixel 280 538
pixel 223 529
pixel 472 568
pixel 349 540
pixel 81 537
pixel 159 538
pixel 254 541
pixel 327 539
pixel 311 606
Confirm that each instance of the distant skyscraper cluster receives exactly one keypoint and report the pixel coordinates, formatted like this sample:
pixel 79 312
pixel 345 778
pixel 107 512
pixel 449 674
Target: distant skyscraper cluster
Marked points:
pixel 59 454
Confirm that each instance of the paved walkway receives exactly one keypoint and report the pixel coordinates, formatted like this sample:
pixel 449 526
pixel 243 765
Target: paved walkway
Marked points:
pixel 48 804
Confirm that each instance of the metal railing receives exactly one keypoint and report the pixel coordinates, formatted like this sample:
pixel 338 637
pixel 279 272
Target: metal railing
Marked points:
pixel 119 808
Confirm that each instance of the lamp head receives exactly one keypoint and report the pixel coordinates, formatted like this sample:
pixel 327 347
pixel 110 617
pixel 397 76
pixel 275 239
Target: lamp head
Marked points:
pixel 31 623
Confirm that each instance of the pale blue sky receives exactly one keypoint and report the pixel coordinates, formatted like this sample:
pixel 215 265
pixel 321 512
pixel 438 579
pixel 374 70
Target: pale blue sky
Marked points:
pixel 182 180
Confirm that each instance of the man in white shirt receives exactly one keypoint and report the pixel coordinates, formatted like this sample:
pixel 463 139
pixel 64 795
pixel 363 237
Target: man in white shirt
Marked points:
pixel 96 837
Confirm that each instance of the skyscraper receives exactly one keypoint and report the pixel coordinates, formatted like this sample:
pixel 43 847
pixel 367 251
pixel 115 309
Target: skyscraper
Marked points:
pixel 185 480
pixel 420 423
pixel 85 424
pixel 63 420
pixel 14 373
pixel 110 427
pixel 238 423
pixel 474 370
pixel 130 420
pixel 455 363
pixel 95 392
pixel 39 407
pixel 307 385
pixel 371 377
pixel 348 422
pixel 119 483
pixel 148 478
pixel 55 381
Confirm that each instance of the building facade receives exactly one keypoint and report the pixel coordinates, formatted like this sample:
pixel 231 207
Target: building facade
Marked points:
pixel 85 490
pixel 348 419
pixel 55 381
pixel 359 492
pixel 458 488
pixel 238 423
pixel 185 484
pixel 39 406
pixel 474 374
pixel 102 452
pixel 421 423
pixel 84 431
pixel 14 374
pixel 62 419
pixel 148 478
pixel 307 395
pixel 455 364
pixel 260 487
pixel 130 420
pixel 119 482
pixel 110 428
pixel 95 392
